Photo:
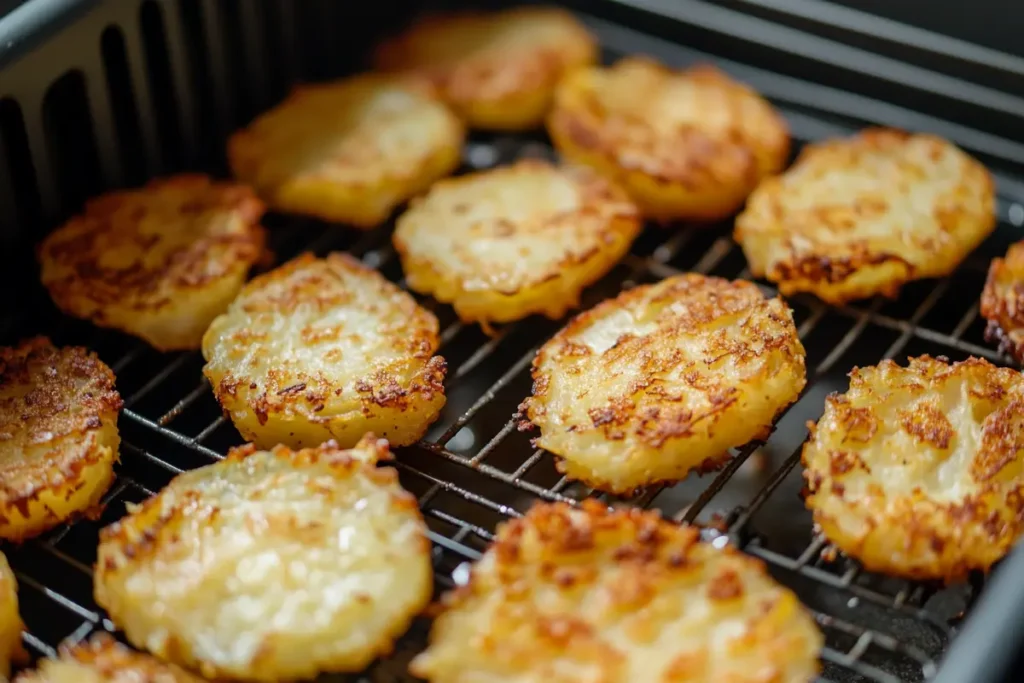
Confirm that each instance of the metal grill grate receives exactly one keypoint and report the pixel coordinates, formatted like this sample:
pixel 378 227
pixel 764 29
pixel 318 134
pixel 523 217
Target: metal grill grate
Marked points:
pixel 475 468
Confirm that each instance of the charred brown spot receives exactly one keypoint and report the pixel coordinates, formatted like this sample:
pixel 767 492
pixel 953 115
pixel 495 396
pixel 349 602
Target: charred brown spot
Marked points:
pixel 843 462
pixel 860 423
pixel 928 424
pixel 726 585
pixel 1002 442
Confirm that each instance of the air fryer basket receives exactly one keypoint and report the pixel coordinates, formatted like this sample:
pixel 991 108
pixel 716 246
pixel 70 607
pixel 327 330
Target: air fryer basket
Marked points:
pixel 105 93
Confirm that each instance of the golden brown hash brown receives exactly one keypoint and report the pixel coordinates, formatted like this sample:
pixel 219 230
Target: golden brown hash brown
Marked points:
pixel 270 565
pixel 687 144
pixel 159 262
pixel 102 659
pixel 348 151
pixel 516 240
pixel 58 435
pixel 322 349
pixel 10 619
pixel 918 471
pixel 861 216
pixel 498 70
pixel 566 595
pixel 663 380
pixel 1002 302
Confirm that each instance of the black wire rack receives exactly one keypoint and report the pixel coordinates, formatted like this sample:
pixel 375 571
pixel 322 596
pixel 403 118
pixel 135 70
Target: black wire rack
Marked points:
pixel 475 469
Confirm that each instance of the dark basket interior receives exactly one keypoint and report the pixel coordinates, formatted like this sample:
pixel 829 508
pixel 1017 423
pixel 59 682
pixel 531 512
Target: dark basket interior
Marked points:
pixel 107 94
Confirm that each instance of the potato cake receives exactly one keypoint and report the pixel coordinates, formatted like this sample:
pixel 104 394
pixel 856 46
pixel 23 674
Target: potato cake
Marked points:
pixel 270 565
pixel 1002 302
pixel 516 240
pixel 663 380
pixel 321 349
pixel 102 659
pixel 10 619
pixel 686 144
pixel 861 216
pixel 58 435
pixel 918 471
pixel 498 70
pixel 591 595
pixel 348 151
pixel 159 262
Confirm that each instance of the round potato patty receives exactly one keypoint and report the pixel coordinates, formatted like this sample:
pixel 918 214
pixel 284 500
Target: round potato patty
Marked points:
pixel 159 262
pixel 498 70
pixel 321 349
pixel 664 379
pixel 861 216
pixel 58 435
pixel 686 144
pixel 349 151
pixel 619 597
pixel 505 243
pixel 918 471
pixel 270 565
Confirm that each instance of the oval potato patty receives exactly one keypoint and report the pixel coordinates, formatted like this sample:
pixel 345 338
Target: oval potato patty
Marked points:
pixel 58 435
pixel 505 243
pixel 348 151
pixel 321 349
pixel 270 565
pixel 686 144
pixel 498 70
pixel 664 379
pixel 918 471
pixel 620 597
pixel 862 216
pixel 159 262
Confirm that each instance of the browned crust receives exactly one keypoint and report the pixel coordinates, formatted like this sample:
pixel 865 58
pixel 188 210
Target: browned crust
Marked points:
pixel 482 73
pixel 967 534
pixel 50 394
pixel 822 268
pixel 114 219
pixel 1002 302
